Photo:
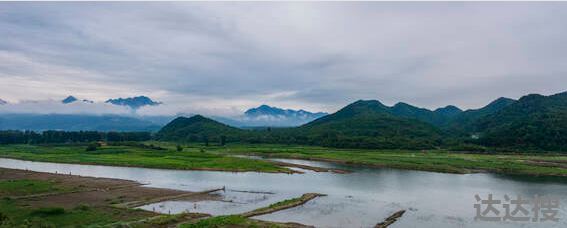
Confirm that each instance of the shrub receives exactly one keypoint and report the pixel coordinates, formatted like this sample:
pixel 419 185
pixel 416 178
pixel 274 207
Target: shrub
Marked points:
pixel 48 211
pixel 92 147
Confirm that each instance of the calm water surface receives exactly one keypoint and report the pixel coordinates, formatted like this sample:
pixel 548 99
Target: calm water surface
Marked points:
pixel 359 199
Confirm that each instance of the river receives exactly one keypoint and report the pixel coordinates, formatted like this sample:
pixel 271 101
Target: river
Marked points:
pixel 359 199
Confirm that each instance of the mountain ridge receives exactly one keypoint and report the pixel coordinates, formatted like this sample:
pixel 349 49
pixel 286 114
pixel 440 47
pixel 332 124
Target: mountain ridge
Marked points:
pixel 133 102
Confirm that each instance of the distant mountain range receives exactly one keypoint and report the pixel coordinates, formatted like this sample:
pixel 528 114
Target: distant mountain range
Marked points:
pixel 265 115
pixel 534 122
pixel 75 122
pixel 71 99
pixel 3 102
pixel 133 102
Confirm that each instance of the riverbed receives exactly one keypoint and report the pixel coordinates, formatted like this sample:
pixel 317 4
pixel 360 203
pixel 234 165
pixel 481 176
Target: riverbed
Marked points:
pixel 359 199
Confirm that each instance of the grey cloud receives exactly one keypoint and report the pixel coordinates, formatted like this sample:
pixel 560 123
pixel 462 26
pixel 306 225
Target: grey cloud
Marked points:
pixel 225 57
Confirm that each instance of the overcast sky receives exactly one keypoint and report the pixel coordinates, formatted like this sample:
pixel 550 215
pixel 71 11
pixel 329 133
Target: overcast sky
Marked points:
pixel 222 58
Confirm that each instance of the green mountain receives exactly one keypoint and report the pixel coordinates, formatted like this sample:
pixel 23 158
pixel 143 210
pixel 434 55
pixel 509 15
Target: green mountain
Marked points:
pixel 198 129
pixel 465 121
pixel 448 111
pixel 533 122
pixel 437 117
pixel 363 124
pixel 370 124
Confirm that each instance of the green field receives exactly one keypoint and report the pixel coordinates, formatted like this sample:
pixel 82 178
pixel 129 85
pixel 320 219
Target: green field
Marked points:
pixel 427 160
pixel 189 159
pixel 199 157
pixel 27 187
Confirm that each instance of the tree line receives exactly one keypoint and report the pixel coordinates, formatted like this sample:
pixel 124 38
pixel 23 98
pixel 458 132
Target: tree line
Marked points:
pixel 32 137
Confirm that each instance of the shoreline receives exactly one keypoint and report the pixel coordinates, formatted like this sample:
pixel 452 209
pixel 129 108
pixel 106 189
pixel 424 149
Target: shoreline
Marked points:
pixel 380 166
pixel 153 167
pixel 312 168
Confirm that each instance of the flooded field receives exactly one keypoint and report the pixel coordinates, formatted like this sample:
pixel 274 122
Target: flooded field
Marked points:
pixel 359 199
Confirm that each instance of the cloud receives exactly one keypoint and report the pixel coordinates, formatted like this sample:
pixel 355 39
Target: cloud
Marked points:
pixel 51 106
pixel 226 57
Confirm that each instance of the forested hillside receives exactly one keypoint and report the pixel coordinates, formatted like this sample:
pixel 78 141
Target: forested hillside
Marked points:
pixel 534 122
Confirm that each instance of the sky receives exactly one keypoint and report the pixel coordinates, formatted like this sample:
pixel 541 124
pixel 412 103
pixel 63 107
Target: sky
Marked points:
pixel 223 58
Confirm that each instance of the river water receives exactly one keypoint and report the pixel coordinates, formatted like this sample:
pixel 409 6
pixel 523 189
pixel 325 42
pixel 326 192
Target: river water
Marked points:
pixel 359 199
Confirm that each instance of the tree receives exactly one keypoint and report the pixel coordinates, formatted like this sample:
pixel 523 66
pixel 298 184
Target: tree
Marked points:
pixel 206 140
pixel 92 147
pixel 179 148
pixel 222 140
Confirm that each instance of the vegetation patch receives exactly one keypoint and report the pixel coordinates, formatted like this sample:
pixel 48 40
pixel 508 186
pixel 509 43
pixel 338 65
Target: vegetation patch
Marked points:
pixel 26 187
pixel 282 205
pixel 123 155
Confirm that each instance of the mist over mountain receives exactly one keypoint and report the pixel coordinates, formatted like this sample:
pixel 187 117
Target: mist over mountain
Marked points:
pixel 72 99
pixel 74 122
pixel 265 115
pixel 133 102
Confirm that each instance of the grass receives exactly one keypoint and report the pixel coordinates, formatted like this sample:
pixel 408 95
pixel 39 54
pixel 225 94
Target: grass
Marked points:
pixel 26 187
pixel 228 221
pixel 15 214
pixel 282 205
pixel 430 160
pixel 189 159
pixel 198 157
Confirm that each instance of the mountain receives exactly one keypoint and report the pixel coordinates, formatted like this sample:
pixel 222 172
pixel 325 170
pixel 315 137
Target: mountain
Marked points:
pixel 433 117
pixel 533 122
pixel 197 129
pixel 3 102
pixel 465 121
pixel 438 117
pixel 69 99
pixel 72 99
pixel 133 102
pixel 448 111
pixel 370 124
pixel 363 124
pixel 265 110
pixel 265 115
pixel 74 122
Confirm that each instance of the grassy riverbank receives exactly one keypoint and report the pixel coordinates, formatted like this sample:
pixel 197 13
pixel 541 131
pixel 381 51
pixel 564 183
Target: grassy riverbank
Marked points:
pixel 124 155
pixel 29 199
pixel 35 199
pixel 427 160
pixel 199 157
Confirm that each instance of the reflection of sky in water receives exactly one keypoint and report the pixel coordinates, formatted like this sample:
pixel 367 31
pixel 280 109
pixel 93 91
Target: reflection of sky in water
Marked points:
pixel 360 199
